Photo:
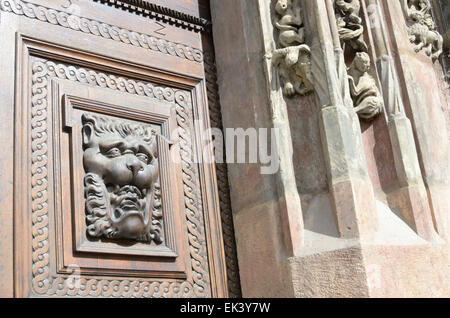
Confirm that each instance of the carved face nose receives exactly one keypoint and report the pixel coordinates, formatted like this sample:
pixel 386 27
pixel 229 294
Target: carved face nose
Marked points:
pixel 135 165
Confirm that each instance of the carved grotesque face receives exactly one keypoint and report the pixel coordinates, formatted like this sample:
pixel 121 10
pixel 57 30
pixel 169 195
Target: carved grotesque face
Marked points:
pixel 362 61
pixel 121 173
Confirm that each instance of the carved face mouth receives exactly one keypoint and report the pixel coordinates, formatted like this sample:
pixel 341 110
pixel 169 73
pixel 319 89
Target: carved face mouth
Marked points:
pixel 127 201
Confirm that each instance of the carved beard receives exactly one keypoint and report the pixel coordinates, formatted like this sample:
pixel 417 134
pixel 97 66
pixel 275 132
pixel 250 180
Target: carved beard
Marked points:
pixel 127 200
pixel 108 211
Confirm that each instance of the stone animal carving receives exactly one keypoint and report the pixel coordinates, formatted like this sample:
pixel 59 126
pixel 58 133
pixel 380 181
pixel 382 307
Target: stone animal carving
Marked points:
pixel 419 5
pixel 422 29
pixel 295 69
pixel 365 93
pixel 293 58
pixel 121 189
pixel 350 24
pixel 289 23
pixel 423 37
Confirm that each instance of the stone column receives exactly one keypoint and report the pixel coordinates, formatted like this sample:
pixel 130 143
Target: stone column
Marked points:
pixel 411 198
pixel 352 192
pixel 267 211
pixel 424 105
pixel 290 207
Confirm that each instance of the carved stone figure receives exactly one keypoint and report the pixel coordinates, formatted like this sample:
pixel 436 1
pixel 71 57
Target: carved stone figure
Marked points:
pixel 289 24
pixel 363 88
pixel 121 190
pixel 365 94
pixel 295 68
pixel 350 9
pixel 293 58
pixel 422 29
pixel 350 24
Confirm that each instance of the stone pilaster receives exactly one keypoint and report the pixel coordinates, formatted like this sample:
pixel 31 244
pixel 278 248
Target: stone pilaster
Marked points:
pixel 411 198
pixel 352 193
pixel 424 106
pixel 289 200
pixel 266 208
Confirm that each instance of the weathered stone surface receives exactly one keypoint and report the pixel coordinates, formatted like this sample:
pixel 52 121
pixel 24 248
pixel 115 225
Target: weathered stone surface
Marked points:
pixel 426 106
pixel 373 193
pixel 337 273
pixel 408 271
pixel 272 199
pixel 262 262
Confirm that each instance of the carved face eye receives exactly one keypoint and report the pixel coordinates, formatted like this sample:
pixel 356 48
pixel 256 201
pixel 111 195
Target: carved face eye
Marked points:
pixel 113 152
pixel 143 157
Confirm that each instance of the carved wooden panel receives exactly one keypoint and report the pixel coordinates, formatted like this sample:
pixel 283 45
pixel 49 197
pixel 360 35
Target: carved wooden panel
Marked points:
pixel 77 114
pixel 127 170
pixel 115 190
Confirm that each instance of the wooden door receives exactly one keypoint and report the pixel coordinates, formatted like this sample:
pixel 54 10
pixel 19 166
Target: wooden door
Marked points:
pixel 115 187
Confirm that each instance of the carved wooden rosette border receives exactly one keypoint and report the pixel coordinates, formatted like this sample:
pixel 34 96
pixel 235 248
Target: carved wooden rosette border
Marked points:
pixel 39 179
pixel 45 284
pixel 101 29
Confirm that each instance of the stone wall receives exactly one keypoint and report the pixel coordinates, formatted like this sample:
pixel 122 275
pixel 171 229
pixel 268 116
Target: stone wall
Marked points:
pixel 360 204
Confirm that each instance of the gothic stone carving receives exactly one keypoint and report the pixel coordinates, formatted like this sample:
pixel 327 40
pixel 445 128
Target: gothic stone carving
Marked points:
pixel 289 23
pixel 422 29
pixel 294 64
pixel 120 161
pixel 350 24
pixel 366 96
pixel 364 91
pixel 293 58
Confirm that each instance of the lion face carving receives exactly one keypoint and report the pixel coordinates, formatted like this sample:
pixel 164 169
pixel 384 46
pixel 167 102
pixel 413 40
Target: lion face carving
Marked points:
pixel 121 189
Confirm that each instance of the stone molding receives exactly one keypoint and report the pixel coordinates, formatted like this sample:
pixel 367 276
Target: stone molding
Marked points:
pixel 161 13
